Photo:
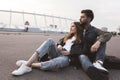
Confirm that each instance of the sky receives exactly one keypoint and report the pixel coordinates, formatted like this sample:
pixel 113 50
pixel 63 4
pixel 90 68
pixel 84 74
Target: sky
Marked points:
pixel 107 12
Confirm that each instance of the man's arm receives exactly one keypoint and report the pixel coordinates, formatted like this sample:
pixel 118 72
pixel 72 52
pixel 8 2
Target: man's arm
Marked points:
pixel 103 36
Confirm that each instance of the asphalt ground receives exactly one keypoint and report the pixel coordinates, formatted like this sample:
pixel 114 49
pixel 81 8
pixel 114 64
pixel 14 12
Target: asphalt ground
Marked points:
pixel 15 46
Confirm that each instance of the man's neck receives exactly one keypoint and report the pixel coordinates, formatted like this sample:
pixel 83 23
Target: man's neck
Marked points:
pixel 87 26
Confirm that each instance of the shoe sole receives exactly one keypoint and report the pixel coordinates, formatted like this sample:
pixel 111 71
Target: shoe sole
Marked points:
pixel 103 71
pixel 96 74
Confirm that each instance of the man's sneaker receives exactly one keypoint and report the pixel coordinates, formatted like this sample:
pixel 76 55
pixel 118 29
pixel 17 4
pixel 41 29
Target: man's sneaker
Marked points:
pixel 20 62
pixel 99 66
pixel 22 70
pixel 96 74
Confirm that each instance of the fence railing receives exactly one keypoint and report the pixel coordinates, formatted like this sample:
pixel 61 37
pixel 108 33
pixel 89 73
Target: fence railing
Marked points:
pixel 37 22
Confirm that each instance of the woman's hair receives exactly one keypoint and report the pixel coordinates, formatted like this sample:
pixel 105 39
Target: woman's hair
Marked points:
pixel 79 31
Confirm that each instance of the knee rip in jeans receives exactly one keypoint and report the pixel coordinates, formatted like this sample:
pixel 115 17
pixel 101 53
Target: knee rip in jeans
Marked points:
pixel 50 39
pixel 82 56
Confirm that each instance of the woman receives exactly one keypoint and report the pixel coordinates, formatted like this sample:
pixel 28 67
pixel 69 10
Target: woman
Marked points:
pixel 59 54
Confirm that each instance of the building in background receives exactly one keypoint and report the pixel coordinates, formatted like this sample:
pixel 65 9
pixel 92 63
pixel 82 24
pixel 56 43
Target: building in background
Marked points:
pixel 104 28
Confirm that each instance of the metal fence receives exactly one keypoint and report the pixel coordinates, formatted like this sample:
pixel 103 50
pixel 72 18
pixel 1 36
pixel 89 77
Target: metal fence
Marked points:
pixel 38 22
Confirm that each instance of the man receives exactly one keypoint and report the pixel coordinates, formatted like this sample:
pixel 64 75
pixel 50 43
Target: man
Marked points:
pixel 94 47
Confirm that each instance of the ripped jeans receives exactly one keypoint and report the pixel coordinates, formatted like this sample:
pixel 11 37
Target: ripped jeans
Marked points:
pixel 57 59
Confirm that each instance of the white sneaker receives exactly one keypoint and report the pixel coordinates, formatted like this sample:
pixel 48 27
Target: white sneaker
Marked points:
pixel 99 66
pixel 20 62
pixel 22 70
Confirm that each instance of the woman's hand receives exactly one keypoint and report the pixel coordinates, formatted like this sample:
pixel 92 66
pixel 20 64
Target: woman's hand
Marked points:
pixel 65 52
pixel 60 47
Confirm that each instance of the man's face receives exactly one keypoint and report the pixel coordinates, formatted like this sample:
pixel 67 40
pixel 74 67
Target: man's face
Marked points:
pixel 83 19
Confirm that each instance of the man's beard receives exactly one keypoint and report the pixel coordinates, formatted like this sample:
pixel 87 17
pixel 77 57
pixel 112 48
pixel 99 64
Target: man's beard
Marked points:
pixel 83 24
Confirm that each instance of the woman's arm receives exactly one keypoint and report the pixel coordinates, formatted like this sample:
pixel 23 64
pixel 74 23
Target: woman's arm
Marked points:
pixel 60 42
pixel 63 52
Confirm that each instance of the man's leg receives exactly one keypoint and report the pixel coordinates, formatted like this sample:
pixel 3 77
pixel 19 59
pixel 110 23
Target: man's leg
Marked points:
pixel 100 55
pixel 91 71
pixel 85 62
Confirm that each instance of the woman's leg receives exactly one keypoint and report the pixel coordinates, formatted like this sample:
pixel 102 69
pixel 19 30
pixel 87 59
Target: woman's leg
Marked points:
pixel 36 65
pixel 47 47
pixel 26 65
pixel 32 59
pixel 56 63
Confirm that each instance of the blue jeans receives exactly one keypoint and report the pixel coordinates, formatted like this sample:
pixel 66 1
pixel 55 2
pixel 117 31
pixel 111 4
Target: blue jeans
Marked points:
pixel 57 59
pixel 100 55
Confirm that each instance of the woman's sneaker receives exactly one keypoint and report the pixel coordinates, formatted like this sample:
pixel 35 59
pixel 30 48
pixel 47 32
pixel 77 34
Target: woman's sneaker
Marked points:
pixel 22 70
pixel 99 66
pixel 20 62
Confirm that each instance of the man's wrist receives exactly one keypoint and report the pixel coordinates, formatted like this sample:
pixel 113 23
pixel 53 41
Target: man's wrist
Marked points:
pixel 98 42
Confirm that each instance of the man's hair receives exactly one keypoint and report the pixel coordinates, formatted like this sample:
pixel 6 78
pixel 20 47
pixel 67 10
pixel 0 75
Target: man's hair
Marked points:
pixel 89 13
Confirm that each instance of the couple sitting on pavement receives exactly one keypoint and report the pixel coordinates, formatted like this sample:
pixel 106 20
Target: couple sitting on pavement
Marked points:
pixel 84 44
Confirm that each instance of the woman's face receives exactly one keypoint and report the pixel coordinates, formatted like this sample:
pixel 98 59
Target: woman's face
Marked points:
pixel 73 28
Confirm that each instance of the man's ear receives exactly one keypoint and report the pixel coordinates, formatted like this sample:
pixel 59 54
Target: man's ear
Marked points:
pixel 89 19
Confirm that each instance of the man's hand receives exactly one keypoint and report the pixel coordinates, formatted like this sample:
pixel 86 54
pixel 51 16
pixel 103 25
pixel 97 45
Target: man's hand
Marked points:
pixel 95 46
